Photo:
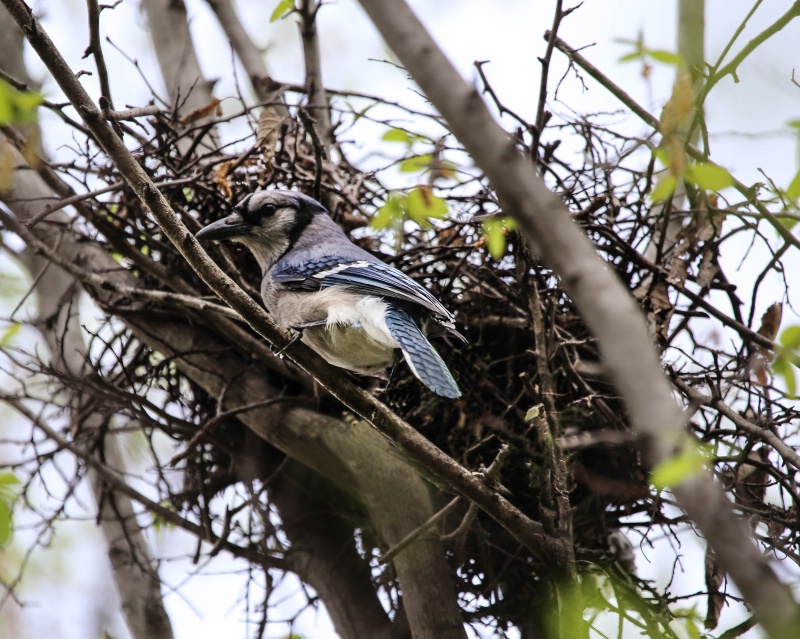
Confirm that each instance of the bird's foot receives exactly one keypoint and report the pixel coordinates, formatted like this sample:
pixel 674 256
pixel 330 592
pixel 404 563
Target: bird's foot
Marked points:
pixel 298 328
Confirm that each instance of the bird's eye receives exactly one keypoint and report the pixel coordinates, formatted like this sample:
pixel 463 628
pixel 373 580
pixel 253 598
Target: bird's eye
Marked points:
pixel 268 210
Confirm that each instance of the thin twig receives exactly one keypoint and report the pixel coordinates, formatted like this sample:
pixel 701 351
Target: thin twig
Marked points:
pixel 96 50
pixel 117 483
pixel 786 452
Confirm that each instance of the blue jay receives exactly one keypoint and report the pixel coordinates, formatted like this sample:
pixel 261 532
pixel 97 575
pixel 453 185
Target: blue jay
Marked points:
pixel 349 307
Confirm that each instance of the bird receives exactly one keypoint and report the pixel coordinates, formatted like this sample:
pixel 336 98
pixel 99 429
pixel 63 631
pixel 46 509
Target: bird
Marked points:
pixel 347 305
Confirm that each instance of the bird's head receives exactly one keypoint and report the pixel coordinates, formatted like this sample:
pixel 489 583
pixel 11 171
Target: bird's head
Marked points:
pixel 267 222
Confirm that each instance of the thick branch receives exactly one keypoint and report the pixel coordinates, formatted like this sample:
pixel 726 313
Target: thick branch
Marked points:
pixel 323 554
pixel 604 303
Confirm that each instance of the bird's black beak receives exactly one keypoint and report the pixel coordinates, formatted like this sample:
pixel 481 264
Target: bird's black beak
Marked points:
pixel 228 228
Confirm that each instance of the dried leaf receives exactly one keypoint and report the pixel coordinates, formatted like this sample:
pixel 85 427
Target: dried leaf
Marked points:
pixel 221 179
pixel 758 367
pixel 751 480
pixel 708 268
pixel 679 106
pixel 654 298
pixel 677 271
pixel 212 108
pixel 269 124
pixel 771 321
pixel 714 578
pixel 659 297
pixel 6 166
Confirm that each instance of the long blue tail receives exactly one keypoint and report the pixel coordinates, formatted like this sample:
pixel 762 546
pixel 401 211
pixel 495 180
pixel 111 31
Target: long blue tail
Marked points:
pixel 423 360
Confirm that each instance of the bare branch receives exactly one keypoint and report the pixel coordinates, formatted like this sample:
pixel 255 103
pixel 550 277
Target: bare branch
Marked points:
pixel 95 49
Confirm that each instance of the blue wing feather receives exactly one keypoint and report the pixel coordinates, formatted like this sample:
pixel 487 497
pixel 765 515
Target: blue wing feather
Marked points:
pixel 422 358
pixel 363 276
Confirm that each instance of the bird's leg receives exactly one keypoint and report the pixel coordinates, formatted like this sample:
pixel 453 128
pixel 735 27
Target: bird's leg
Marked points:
pixel 299 328
pixel 392 371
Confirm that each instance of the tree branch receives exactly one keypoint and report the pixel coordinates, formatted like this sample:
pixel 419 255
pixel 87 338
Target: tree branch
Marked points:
pixel 323 554
pixel 604 303
pixel 764 434
pixel 95 49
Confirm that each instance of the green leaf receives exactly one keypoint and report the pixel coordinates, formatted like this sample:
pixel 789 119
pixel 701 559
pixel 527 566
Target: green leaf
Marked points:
pixel 7 491
pixel 667 57
pixel 283 8
pixel 782 367
pixel 159 523
pixel 795 124
pixel 363 112
pixel 790 337
pixel 7 480
pixel 5 523
pixel 416 163
pixel 390 214
pixel 10 332
pixel 495 230
pixel 662 156
pixel 17 107
pixel 708 176
pixel 422 205
pixel 629 57
pixel 793 190
pixel 664 188
pixel 688 462
pixel 397 135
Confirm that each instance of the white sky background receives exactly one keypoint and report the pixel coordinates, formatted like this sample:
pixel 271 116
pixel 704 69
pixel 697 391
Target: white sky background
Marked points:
pixel 748 132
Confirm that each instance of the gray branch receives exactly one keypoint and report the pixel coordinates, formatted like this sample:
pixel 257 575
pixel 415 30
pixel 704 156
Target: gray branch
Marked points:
pixel 167 23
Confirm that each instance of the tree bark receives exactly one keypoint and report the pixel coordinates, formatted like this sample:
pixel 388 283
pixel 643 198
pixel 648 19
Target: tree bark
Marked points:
pixel 323 554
